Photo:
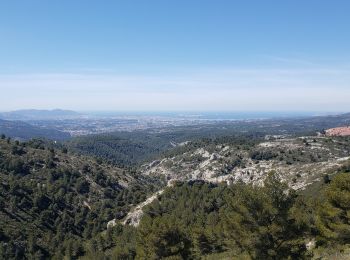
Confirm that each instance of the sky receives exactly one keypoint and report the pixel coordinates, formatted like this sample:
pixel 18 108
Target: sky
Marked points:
pixel 159 55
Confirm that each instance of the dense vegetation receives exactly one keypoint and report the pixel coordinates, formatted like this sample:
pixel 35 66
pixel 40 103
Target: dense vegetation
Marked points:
pixel 56 204
pixel 123 149
pixel 199 220
pixel 133 148
pixel 52 201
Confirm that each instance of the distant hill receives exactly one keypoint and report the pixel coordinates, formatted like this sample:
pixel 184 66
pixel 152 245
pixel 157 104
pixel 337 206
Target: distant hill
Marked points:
pixel 25 131
pixel 34 114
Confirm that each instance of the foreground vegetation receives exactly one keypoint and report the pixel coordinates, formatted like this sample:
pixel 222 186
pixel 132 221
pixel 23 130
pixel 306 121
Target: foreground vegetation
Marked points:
pixel 203 221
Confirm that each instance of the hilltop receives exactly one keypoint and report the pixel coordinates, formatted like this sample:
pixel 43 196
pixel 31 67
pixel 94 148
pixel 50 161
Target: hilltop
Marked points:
pixel 338 131
pixel 36 114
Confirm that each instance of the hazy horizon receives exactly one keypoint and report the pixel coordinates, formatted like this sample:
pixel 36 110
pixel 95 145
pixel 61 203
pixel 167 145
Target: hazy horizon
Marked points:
pixel 194 114
pixel 167 110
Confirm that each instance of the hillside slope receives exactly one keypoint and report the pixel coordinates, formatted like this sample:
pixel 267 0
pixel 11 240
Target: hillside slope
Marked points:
pixel 298 161
pixel 24 131
pixel 200 220
pixel 51 201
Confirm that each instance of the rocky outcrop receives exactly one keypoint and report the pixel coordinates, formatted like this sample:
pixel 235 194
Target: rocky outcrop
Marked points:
pixel 226 163
pixel 133 218
pixel 338 131
pixel 230 164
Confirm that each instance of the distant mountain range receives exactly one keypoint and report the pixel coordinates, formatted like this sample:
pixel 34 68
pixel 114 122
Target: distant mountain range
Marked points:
pixel 22 130
pixel 34 114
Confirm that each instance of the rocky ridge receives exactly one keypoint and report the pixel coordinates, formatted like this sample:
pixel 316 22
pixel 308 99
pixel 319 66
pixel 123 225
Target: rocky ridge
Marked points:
pixel 231 164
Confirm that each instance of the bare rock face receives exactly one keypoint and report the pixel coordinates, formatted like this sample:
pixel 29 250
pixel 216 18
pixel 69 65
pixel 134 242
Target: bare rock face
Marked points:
pixel 311 244
pixel 338 131
pixel 154 163
pixel 111 223
pixel 215 156
pixel 133 218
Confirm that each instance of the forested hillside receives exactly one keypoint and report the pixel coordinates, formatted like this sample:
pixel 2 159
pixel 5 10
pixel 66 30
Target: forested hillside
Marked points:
pixel 124 149
pixel 51 201
pixel 133 148
pixel 198 220
pixel 25 131
pixel 56 204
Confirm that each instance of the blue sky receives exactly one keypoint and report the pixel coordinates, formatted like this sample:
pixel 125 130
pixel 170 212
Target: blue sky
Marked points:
pixel 175 55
